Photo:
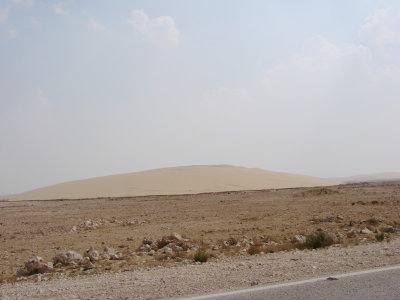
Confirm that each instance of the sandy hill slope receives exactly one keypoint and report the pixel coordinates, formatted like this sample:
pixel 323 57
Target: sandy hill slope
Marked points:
pixel 379 177
pixel 168 181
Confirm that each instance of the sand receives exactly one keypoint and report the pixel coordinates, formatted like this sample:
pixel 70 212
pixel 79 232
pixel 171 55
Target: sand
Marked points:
pixel 171 181
pixel 378 177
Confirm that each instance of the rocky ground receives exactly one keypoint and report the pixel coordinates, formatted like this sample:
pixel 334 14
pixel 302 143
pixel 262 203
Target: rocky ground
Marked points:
pixel 47 247
pixel 232 272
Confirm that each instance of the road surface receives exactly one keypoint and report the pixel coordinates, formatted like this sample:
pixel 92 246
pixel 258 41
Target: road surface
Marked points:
pixel 383 283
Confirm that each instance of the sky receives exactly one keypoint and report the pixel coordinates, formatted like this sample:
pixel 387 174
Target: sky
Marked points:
pixel 93 87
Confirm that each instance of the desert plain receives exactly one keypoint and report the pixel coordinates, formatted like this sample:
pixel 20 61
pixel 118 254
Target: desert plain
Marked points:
pixel 228 225
pixel 273 217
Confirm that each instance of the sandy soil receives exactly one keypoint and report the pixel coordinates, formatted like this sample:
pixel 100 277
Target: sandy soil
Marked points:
pixel 173 181
pixel 270 218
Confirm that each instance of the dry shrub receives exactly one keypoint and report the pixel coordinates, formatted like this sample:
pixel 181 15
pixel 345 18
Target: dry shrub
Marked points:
pixel 380 237
pixel 254 249
pixel 201 255
pixel 319 239
pixel 372 221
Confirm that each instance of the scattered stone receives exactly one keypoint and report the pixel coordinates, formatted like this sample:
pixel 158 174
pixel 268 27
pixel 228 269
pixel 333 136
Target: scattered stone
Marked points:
pixel 146 248
pixel 68 258
pixel 88 264
pixel 389 229
pixel 333 237
pixel 175 247
pixel 167 250
pixel 231 241
pixel 177 237
pixel 89 225
pixel 36 265
pixel 366 231
pixel 328 219
pixel 92 254
pixel 271 243
pixel 299 239
pixel 166 245
pixel 340 235
pixel 131 223
pixel 147 241
pixel 110 253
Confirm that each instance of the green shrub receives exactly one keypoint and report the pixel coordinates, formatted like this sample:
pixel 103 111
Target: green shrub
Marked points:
pixel 201 255
pixel 380 237
pixel 319 239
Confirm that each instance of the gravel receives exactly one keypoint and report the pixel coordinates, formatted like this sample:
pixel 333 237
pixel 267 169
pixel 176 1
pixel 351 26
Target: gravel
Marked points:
pixel 224 273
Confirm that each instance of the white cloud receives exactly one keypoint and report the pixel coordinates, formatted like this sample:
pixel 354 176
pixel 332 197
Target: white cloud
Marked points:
pixel 96 25
pixel 159 29
pixel 381 32
pixel 59 8
pixel 27 3
pixel 318 73
pixel 337 97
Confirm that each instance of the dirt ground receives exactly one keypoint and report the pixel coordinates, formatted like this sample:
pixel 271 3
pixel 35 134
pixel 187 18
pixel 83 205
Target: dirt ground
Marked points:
pixel 45 228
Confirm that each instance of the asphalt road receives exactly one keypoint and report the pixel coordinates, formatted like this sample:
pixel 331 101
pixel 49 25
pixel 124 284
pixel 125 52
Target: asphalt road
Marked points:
pixel 374 284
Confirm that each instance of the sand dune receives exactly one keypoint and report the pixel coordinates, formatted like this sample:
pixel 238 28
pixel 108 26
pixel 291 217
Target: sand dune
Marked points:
pixel 168 181
pixel 378 177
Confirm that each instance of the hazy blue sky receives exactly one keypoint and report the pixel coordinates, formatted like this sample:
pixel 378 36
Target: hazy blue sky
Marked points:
pixel 91 88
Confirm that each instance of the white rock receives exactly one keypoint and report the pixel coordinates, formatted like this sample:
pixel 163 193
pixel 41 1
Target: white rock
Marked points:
pixel 92 254
pixel 175 247
pixel 177 237
pixel 167 250
pixel 36 264
pixel 110 253
pixel 299 238
pixel 68 258
pixel 366 231
pixel 147 241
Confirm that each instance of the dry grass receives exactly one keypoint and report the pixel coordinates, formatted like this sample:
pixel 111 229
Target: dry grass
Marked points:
pixel 201 255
